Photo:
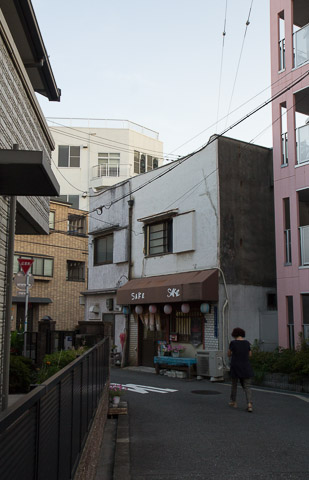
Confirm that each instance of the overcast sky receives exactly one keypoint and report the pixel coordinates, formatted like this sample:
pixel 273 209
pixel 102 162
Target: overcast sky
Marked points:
pixel 158 63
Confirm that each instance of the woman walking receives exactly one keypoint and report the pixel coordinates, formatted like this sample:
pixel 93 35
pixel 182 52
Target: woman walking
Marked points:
pixel 240 351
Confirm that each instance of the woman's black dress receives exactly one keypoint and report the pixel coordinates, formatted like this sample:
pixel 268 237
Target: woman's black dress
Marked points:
pixel 240 365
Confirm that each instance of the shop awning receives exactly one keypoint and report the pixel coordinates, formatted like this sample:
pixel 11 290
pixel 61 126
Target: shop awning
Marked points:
pixel 180 287
pixel 21 299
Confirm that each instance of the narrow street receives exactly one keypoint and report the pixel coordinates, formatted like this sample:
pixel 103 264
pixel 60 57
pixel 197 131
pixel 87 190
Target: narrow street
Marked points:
pixel 185 430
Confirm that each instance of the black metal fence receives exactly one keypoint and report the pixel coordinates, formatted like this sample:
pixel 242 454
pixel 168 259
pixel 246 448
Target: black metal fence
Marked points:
pixel 42 436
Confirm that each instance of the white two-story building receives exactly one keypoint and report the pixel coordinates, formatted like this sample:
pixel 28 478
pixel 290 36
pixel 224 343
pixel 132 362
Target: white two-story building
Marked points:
pixel 185 253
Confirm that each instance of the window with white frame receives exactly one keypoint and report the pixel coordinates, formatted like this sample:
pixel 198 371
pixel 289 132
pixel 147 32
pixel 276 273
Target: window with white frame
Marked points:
pixel 287 232
pixel 52 220
pixel 103 250
pixel 144 163
pixel 75 271
pixel 68 156
pixel 77 225
pixel 41 266
pixel 159 237
pixel 108 164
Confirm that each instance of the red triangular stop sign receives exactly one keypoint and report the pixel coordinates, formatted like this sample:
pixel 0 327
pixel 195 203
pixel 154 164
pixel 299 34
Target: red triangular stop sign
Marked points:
pixel 25 264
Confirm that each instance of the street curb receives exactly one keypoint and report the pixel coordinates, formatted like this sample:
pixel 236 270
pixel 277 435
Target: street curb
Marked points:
pixel 122 464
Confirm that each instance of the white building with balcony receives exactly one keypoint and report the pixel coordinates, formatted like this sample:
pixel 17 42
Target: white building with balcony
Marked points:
pixel 290 83
pixel 97 153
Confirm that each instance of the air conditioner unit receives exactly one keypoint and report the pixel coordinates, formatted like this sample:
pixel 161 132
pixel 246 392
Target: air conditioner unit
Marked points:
pixel 118 308
pixel 202 363
pixel 209 364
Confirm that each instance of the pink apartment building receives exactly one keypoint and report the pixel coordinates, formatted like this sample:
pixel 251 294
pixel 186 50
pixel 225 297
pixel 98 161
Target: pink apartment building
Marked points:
pixel 289 22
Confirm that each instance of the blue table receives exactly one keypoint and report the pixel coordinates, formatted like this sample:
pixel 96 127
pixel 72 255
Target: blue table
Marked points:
pixel 174 362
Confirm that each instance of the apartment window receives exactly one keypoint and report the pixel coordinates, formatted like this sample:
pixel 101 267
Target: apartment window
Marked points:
pixel 287 231
pixel 77 225
pixel 108 164
pixel 159 237
pixel 290 312
pixel 281 41
pixel 68 156
pixel 75 271
pixel 103 250
pixel 52 220
pixel 144 163
pixel 300 43
pixel 305 301
pixel 42 267
pixel 284 135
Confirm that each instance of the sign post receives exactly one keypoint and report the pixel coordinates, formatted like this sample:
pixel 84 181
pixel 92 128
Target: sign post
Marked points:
pixel 25 264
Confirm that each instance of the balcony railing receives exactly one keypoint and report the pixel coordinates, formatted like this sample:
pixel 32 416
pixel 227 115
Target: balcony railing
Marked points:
pixel 282 54
pixel 301 46
pixel 107 170
pixel 91 123
pixel 288 250
pixel 304 245
pixel 302 143
pixel 284 149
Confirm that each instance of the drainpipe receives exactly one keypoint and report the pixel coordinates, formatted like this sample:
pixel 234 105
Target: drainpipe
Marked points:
pixel 8 305
pixel 125 357
pixel 225 324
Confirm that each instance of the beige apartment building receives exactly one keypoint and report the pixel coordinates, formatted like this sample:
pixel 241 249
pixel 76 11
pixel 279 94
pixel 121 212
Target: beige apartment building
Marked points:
pixel 59 270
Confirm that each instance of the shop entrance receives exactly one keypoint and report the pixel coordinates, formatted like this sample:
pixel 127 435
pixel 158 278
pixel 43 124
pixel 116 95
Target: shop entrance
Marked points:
pixel 148 343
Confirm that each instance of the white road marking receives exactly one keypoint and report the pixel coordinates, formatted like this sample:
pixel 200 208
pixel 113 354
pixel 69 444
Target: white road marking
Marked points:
pixel 131 387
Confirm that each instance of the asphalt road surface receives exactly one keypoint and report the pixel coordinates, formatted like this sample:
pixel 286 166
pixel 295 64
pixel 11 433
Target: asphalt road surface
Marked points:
pixel 178 434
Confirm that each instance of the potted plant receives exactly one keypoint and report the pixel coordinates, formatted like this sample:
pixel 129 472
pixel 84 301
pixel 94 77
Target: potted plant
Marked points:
pixel 115 392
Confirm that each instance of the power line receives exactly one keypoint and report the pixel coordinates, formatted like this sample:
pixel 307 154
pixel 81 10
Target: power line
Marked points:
pixel 127 149
pixel 235 110
pixel 222 51
pixel 71 184
pixel 175 164
pixel 212 139
pixel 237 70
pixel 51 245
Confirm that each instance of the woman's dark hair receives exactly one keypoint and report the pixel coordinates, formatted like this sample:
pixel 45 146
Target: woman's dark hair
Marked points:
pixel 238 332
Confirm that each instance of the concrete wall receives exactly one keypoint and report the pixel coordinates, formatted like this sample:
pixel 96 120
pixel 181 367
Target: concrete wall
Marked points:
pixel 247 236
pixel 189 187
pixel 246 306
